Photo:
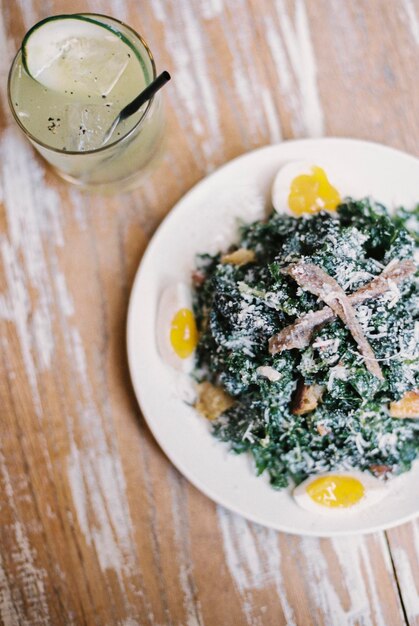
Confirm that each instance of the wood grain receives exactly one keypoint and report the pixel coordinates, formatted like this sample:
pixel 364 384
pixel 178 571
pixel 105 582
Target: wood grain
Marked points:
pixel 96 526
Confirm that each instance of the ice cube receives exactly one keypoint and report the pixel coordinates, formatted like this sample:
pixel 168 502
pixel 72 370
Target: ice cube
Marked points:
pixel 84 125
pixel 110 68
pixel 92 65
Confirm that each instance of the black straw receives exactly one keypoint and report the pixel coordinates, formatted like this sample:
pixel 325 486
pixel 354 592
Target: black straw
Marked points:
pixel 145 95
pixel 138 102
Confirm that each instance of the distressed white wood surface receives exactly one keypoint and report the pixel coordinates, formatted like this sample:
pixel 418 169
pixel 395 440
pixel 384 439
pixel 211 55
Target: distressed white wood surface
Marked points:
pixel 96 526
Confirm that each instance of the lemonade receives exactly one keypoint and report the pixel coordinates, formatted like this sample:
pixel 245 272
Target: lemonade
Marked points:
pixel 69 81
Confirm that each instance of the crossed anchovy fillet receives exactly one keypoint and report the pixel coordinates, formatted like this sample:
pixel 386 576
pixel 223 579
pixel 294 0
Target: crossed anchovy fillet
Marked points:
pixel 339 304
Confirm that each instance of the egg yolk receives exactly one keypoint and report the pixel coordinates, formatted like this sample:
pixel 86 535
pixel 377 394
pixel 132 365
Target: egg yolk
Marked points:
pixel 311 193
pixel 183 333
pixel 336 491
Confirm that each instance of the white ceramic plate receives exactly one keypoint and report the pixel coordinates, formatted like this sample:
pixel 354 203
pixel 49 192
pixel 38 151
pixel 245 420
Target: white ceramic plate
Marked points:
pixel 205 220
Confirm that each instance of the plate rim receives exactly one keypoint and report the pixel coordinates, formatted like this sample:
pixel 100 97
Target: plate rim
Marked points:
pixel 165 223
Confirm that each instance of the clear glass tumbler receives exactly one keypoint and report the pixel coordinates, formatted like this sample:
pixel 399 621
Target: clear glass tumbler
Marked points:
pixel 120 164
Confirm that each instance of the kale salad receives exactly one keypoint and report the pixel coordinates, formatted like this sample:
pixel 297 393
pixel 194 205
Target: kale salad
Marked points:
pixel 308 342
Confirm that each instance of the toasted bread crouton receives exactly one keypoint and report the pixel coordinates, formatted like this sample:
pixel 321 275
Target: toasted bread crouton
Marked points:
pixel 242 256
pixel 212 401
pixel 407 407
pixel 306 398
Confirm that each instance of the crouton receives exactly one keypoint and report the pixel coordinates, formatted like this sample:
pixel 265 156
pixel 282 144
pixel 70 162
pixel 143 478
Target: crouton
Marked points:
pixel 242 256
pixel 212 401
pixel 407 407
pixel 306 398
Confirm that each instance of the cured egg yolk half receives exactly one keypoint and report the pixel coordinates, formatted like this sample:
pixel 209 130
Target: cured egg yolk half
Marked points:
pixel 183 333
pixel 339 492
pixel 312 192
pixel 176 330
pixel 335 491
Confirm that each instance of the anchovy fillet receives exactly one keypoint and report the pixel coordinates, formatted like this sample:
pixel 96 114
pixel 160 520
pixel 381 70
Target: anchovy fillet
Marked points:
pixel 299 334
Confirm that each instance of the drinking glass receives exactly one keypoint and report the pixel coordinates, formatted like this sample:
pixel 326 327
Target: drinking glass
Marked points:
pixel 120 164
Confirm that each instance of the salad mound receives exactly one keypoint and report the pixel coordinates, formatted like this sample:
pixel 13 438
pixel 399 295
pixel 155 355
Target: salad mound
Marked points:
pixel 337 399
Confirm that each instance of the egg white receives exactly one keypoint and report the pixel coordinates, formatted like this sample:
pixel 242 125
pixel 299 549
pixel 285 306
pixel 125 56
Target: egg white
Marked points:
pixel 375 490
pixel 174 297
pixel 282 182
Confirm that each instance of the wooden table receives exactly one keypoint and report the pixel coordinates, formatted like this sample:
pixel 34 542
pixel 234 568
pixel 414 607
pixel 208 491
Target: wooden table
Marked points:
pixel 97 527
